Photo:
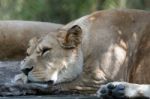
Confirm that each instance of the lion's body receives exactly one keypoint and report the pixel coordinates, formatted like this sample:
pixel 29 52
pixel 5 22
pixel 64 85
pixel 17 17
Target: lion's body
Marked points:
pixel 116 47
pixel 15 35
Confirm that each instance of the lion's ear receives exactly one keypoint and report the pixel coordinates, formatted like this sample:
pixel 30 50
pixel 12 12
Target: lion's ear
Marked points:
pixel 73 37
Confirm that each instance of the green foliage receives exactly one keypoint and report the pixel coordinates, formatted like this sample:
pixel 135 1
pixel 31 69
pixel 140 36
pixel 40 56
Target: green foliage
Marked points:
pixel 61 11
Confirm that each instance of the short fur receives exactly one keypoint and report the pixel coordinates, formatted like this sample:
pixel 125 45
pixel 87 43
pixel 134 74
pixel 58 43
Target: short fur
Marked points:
pixel 105 45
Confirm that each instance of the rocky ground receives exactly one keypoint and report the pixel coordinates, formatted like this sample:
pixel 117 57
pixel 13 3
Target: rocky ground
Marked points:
pixel 8 69
pixel 50 97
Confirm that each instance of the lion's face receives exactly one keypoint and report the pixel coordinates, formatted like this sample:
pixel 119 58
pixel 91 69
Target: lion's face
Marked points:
pixel 56 58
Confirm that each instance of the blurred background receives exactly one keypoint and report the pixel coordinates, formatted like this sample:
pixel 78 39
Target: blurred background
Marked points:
pixel 61 11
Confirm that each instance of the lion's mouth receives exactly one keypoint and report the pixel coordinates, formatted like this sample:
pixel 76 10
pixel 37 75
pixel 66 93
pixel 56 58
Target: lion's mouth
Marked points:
pixel 50 82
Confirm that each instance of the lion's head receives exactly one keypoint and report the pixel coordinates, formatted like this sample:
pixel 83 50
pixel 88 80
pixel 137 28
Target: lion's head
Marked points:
pixel 57 57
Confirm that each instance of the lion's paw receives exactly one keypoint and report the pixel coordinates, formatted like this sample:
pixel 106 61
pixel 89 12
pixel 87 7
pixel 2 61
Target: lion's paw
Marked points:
pixel 114 90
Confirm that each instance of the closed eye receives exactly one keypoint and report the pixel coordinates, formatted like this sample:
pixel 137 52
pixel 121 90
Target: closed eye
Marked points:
pixel 46 49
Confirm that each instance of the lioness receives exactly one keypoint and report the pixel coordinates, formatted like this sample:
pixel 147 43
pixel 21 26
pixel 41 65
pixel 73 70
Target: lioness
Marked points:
pixel 111 45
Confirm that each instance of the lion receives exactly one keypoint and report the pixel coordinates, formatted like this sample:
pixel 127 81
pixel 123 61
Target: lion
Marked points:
pixel 108 45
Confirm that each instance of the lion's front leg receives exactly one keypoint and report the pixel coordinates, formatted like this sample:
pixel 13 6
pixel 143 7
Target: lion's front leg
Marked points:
pixel 123 90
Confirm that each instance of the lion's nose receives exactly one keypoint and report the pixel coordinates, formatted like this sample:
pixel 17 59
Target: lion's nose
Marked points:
pixel 26 70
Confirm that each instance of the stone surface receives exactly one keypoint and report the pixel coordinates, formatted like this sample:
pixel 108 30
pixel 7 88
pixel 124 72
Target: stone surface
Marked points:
pixel 8 69
pixel 50 97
